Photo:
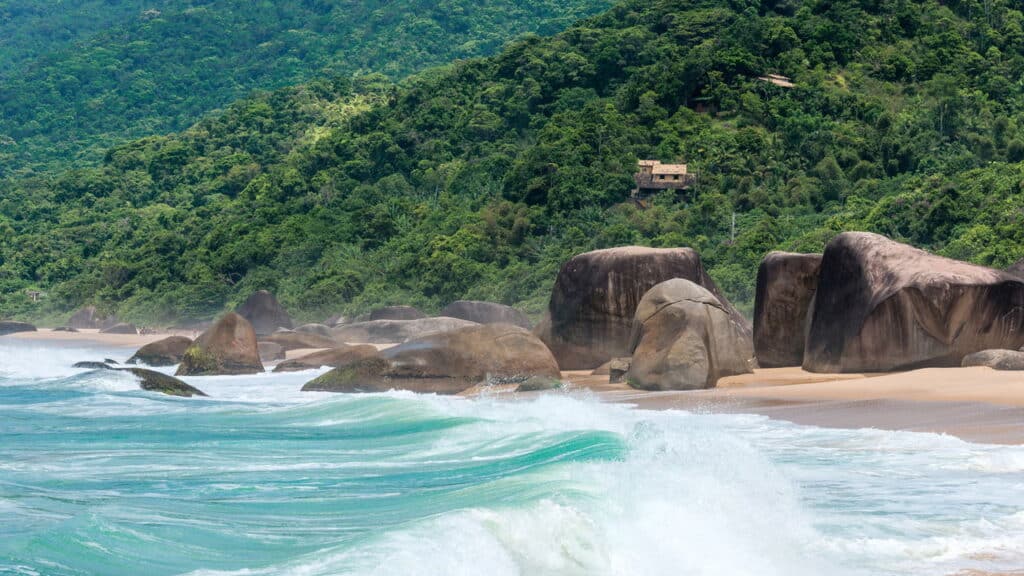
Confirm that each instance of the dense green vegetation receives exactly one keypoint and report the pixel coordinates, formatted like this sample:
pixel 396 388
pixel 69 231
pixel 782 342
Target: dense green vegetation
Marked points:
pixel 478 180
pixel 158 67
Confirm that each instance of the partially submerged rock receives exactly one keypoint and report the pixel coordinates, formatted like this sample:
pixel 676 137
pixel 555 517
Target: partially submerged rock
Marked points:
pixel 120 328
pixel 486 313
pixel 395 331
pixel 396 313
pixel 299 340
pixel 64 329
pixel 264 312
pixel 166 352
pixel 996 359
pixel 149 380
pixel 13 327
pixel 686 340
pixel 593 303
pixel 153 381
pixel 882 305
pixel 786 283
pixel 228 347
pixel 335 358
pixel 447 362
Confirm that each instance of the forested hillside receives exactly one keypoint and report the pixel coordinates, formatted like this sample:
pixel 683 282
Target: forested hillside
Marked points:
pixel 478 180
pixel 78 76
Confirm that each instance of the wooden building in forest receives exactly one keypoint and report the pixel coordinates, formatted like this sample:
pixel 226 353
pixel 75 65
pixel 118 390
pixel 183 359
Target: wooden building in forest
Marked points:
pixel 652 176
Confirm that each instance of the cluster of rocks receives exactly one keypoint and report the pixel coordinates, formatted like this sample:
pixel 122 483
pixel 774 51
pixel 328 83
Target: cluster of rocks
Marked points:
pixel 650 317
pixel 870 304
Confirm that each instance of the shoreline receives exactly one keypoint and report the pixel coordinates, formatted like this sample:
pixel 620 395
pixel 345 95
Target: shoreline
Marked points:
pixel 975 404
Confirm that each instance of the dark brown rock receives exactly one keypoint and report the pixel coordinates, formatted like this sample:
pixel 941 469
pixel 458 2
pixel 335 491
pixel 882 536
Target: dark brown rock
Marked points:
pixel 335 358
pixel 486 313
pixel 120 328
pixel 882 305
pixel 166 352
pixel 686 339
pixel 153 381
pixel 270 352
pixel 264 312
pixel 228 347
pixel 447 362
pixel 64 329
pixel 785 287
pixel 12 327
pixel 394 331
pixel 996 359
pixel 298 340
pixel 397 313
pixel 595 296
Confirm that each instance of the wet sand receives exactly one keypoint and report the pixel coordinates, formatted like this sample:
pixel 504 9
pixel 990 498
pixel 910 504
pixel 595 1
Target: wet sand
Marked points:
pixel 94 337
pixel 975 404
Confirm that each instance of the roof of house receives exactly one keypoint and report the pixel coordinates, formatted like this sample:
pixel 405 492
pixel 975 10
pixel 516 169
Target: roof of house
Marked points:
pixel 777 80
pixel 670 169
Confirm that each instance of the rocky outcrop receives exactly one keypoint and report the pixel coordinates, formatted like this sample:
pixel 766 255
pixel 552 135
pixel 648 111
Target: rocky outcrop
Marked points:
pixel 264 312
pixel 298 340
pixel 166 352
pixel 13 327
pixel 486 313
pixel 64 329
pixel 594 300
pixel 394 331
pixel 335 358
pixel 337 320
pixel 785 287
pixel 996 359
pixel 318 329
pixel 396 313
pixel 228 347
pixel 686 339
pixel 120 328
pixel 270 352
pixel 447 362
pixel 882 305
pixel 88 318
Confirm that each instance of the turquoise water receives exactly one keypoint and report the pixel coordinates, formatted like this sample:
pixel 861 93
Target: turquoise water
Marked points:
pixel 98 477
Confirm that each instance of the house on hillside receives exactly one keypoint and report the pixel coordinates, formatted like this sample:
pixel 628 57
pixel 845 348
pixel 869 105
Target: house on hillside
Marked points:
pixel 653 176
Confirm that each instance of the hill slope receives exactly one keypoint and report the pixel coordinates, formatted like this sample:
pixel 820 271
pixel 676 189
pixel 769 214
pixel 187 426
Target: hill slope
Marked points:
pixel 477 181
pixel 157 67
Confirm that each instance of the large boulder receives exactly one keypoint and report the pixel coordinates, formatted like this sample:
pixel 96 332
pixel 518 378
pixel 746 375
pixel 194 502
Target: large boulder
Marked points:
pixel 264 312
pixel 298 340
pixel 785 287
pixel 882 305
pixel 486 313
pixel 396 313
pixel 13 327
pixel 1017 268
pixel 319 329
pixel 996 359
pixel 228 347
pixel 593 303
pixel 335 358
pixel 153 381
pixel 166 352
pixel 120 328
pixel 395 331
pixel 270 352
pixel 88 318
pixel 447 363
pixel 686 339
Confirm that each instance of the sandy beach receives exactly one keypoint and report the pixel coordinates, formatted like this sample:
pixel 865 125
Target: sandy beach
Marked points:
pixel 976 404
